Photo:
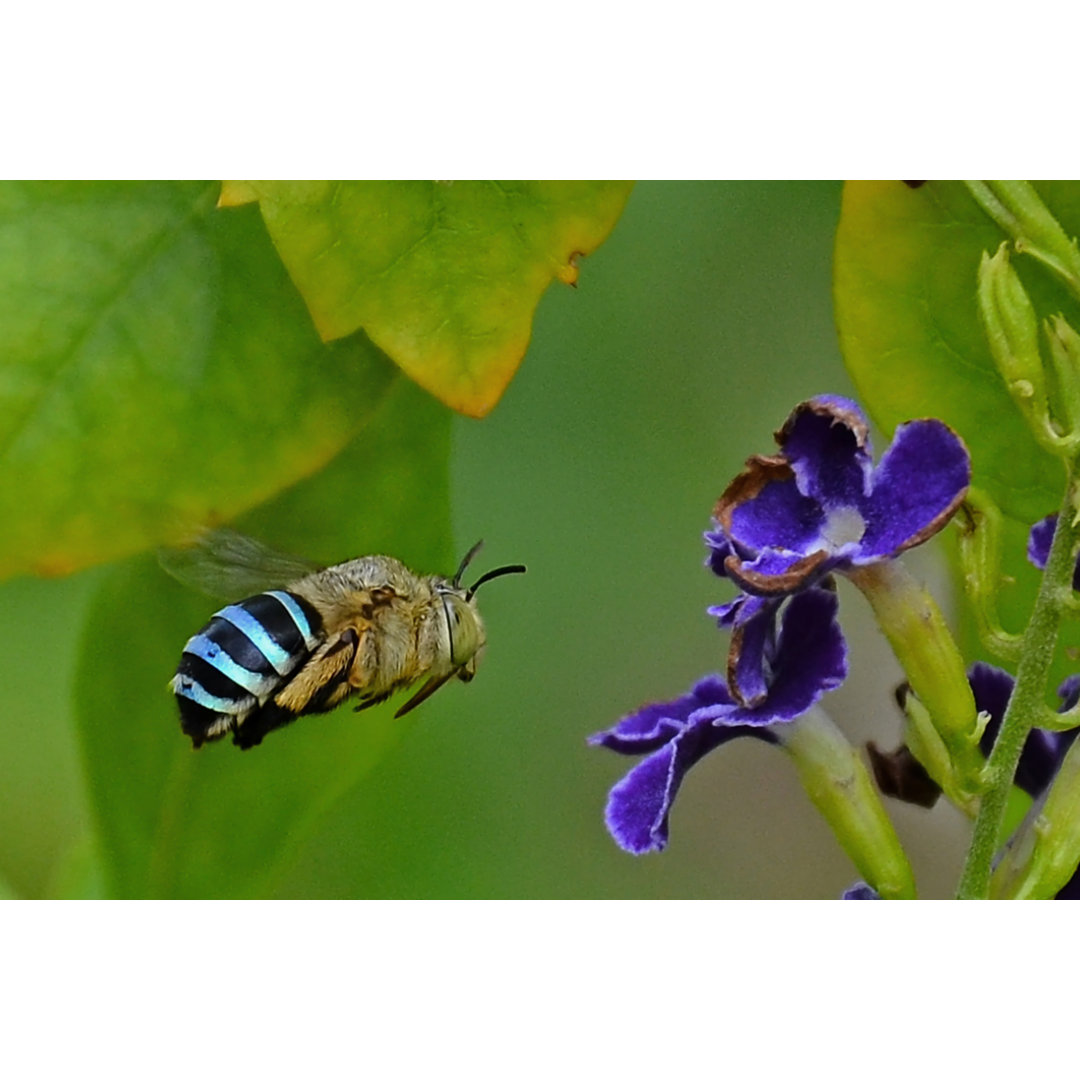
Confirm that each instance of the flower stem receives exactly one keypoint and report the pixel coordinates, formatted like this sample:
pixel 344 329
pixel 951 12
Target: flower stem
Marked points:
pixel 1026 704
pixel 838 784
pixel 920 638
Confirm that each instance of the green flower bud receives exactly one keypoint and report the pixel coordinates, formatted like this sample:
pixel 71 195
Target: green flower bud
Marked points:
pixel 1065 355
pixel 980 559
pixel 923 740
pixel 1012 332
pixel 1046 850
pixel 1015 206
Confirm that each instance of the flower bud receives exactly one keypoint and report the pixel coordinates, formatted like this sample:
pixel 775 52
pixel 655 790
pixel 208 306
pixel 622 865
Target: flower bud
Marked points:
pixel 1065 355
pixel 1045 853
pixel 1017 208
pixel 979 547
pixel 1012 332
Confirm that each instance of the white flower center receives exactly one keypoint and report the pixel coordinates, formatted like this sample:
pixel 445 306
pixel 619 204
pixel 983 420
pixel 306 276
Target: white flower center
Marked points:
pixel 844 525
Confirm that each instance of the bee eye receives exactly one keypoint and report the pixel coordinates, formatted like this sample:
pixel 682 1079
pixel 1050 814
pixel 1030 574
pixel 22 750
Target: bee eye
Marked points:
pixel 465 634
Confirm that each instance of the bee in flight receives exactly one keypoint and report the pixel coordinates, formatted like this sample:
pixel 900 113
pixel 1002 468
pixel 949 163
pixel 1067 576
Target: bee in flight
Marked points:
pixel 363 628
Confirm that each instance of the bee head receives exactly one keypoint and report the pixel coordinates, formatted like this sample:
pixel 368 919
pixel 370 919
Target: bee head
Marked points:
pixel 463 622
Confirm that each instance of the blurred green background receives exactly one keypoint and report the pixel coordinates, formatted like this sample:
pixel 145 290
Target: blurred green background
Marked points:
pixel 693 330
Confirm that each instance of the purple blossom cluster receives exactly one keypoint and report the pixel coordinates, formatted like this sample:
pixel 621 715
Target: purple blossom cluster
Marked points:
pixel 782 527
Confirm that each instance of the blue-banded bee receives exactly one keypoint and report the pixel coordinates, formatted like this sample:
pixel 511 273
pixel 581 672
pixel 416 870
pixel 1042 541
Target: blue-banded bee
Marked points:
pixel 367 627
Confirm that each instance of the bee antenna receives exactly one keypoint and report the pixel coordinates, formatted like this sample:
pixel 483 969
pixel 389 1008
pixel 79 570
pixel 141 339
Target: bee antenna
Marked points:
pixel 517 568
pixel 469 556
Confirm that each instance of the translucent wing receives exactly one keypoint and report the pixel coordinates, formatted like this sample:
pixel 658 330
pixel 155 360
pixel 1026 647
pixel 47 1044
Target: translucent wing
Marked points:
pixel 229 565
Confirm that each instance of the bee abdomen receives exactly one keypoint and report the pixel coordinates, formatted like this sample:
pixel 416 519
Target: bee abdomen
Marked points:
pixel 233 665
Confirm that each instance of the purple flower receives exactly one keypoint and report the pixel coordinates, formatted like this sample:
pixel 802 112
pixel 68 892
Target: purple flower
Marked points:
pixel 821 504
pixel 900 776
pixel 807 660
pixel 1039 541
pixel 860 891
pixel 1043 751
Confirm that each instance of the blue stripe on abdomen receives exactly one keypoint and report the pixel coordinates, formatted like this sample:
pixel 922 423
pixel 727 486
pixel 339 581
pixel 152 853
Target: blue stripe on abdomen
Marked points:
pixel 298 615
pixel 280 659
pixel 185 686
pixel 259 684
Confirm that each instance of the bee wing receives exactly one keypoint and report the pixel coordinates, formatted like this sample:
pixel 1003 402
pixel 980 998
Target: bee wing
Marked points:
pixel 226 564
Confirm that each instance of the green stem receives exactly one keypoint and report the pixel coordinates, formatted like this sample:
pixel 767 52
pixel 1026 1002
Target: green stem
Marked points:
pixel 1026 704
pixel 916 629
pixel 838 784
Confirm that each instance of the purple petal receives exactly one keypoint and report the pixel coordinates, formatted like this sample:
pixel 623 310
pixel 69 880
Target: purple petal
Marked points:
pixel 777 535
pixel 719 549
pixel 991 688
pixel 1041 758
pixel 848 411
pixel 827 442
pixel 860 891
pixel 639 804
pixel 750 653
pixel 1069 692
pixel 1043 750
pixel 811 657
pixel 653 726
pixel 725 614
pixel 920 482
pixel 778 517
pixel 1039 541
pixel 810 660
pixel 775 573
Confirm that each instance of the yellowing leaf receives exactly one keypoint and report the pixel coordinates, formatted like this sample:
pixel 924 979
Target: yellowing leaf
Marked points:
pixel 236 193
pixel 442 276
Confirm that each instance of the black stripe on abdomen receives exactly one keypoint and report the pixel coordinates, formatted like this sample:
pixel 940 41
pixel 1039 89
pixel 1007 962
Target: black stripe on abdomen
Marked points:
pixel 277 621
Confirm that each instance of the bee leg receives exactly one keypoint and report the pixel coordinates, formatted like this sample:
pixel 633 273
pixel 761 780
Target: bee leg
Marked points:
pixel 272 716
pixel 259 724
pixel 320 684
pixel 367 703
pixel 423 693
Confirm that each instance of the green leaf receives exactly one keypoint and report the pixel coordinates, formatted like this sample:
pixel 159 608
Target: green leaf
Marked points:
pixel 443 276
pixel 905 280
pixel 906 265
pixel 220 822
pixel 159 371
